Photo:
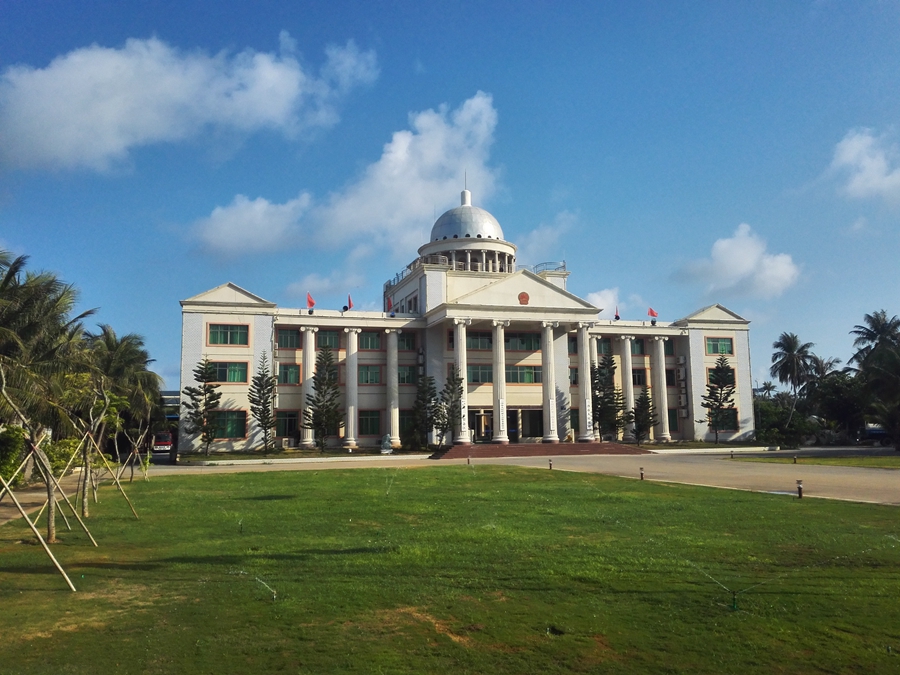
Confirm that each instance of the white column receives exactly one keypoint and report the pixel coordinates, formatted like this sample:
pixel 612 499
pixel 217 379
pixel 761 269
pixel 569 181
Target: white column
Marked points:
pixel 468 261
pixel 627 382
pixel 453 260
pixel 501 434
pixel 595 363
pixel 548 376
pixel 352 373
pixel 586 434
pixel 462 437
pixel 393 387
pixel 484 261
pixel 307 439
pixel 496 261
pixel 660 395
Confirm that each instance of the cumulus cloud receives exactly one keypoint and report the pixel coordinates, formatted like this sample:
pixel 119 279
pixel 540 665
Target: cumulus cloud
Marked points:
pixel 339 281
pixel 90 107
pixel 869 163
pixel 543 241
pixel 606 300
pixel 741 265
pixel 390 204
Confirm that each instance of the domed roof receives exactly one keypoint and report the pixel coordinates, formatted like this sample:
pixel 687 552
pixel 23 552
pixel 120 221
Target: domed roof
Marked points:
pixel 466 221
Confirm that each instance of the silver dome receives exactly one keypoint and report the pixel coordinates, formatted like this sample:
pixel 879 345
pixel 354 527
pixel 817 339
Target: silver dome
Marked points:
pixel 466 221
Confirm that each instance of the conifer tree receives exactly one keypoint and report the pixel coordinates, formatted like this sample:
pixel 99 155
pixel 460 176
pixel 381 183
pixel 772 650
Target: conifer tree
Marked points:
pixel 719 398
pixel 644 416
pixel 608 402
pixel 202 403
pixel 262 400
pixel 323 405
pixel 423 412
pixel 447 413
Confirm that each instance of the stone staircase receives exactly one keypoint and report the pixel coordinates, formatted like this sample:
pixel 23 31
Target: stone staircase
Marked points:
pixel 536 450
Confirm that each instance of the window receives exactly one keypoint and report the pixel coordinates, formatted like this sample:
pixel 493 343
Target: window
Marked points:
pixel 288 338
pixel 480 374
pixel 479 340
pixel 230 372
pixel 370 374
pixel 670 378
pixel 729 378
pixel 369 423
pixel 573 344
pixel 637 347
pixel 230 423
pixel 450 341
pixel 728 419
pixel 639 377
pixel 522 342
pixel 523 374
pixel 719 345
pixel 573 377
pixel 673 419
pixel 604 346
pixel 369 340
pixel 406 342
pixel 574 420
pixel 406 374
pixel 669 347
pixel 286 423
pixel 328 338
pixel 407 420
pixel 224 334
pixel 288 373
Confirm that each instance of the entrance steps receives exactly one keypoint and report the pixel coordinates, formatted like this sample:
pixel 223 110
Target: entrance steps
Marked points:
pixel 537 450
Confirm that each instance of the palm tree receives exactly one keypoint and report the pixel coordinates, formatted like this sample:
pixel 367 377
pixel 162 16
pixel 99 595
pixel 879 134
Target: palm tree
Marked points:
pixel 819 369
pixel 791 363
pixel 878 331
pixel 767 389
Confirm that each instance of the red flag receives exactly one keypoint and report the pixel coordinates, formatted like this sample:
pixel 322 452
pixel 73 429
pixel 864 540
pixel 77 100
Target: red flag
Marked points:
pixel 617 312
pixel 390 305
pixel 349 302
pixel 310 303
pixel 652 312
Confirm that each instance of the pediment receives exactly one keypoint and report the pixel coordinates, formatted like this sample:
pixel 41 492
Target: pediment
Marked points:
pixel 227 294
pixel 712 314
pixel 524 290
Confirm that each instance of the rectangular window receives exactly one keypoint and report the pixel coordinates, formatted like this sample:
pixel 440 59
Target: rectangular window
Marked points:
pixel 729 378
pixel 728 419
pixel 328 338
pixel 369 340
pixel 717 345
pixel 451 341
pixel 573 377
pixel 230 372
pixel 604 346
pixel 369 423
pixel 522 342
pixel 226 334
pixel 673 419
pixel 288 338
pixel 573 344
pixel 670 378
pixel 574 420
pixel 637 347
pixel 286 423
pixel 669 347
pixel 406 374
pixel 523 374
pixel 230 423
pixel 407 419
pixel 370 374
pixel 480 374
pixel 288 373
pixel 479 340
pixel 406 342
pixel 639 377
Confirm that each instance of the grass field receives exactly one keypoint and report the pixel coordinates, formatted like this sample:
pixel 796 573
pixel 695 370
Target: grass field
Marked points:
pixel 877 462
pixel 455 570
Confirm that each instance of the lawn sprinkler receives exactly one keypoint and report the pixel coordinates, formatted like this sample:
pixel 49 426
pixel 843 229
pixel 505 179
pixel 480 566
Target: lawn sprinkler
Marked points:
pixel 799 489
pixel 795 459
pixel 551 465
pixel 642 473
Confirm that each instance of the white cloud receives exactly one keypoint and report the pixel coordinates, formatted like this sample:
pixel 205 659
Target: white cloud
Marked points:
pixel 868 162
pixel 338 282
pixel 542 242
pixel 740 265
pixel 90 107
pixel 390 205
pixel 606 300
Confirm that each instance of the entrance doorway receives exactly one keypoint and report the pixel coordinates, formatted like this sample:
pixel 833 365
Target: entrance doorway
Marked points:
pixel 482 424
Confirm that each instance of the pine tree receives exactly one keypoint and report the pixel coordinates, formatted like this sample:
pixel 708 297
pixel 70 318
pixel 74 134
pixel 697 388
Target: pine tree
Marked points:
pixel 644 416
pixel 423 412
pixel 202 403
pixel 719 397
pixel 262 400
pixel 323 405
pixel 608 401
pixel 447 412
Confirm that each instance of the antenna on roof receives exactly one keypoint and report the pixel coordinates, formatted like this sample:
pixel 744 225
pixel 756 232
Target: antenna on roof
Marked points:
pixel 465 180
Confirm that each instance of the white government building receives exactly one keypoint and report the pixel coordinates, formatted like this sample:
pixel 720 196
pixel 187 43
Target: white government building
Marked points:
pixel 524 345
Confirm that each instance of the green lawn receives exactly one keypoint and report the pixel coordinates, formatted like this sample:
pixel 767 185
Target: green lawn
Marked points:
pixel 882 462
pixel 456 570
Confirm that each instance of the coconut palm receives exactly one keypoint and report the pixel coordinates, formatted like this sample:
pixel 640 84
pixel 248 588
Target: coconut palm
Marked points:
pixel 877 331
pixel 791 363
pixel 767 389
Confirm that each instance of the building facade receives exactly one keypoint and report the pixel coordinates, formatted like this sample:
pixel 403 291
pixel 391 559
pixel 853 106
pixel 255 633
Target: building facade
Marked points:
pixel 524 346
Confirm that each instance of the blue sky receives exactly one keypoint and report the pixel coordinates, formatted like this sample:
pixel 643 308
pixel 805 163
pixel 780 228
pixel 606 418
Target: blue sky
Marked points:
pixel 675 154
